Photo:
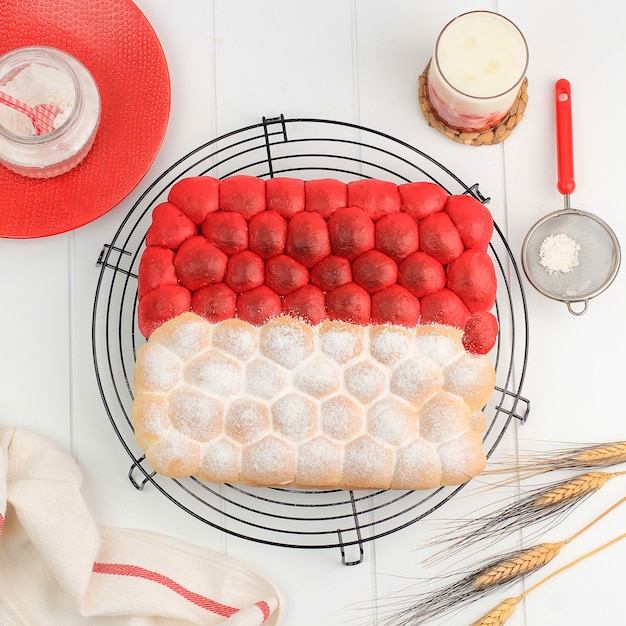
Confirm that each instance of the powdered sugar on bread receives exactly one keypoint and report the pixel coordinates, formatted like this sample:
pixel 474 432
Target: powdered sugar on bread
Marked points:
pixel 336 406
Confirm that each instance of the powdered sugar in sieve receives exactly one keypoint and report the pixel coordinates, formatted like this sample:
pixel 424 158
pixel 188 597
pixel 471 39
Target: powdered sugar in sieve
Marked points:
pixel 571 256
pixel 559 253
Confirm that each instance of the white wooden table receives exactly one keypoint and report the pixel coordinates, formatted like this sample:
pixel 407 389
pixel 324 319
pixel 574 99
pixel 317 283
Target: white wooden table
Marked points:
pixel 358 61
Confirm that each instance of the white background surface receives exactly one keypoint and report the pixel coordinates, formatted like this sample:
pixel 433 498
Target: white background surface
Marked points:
pixel 358 61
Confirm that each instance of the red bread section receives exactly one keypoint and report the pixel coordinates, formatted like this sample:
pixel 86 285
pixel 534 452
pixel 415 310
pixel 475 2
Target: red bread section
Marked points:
pixel 365 252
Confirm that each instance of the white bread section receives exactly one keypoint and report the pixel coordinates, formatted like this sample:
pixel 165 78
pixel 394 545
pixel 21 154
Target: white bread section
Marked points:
pixel 332 406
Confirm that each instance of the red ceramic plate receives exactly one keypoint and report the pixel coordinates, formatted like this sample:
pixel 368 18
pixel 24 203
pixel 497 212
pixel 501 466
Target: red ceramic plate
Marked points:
pixel 113 39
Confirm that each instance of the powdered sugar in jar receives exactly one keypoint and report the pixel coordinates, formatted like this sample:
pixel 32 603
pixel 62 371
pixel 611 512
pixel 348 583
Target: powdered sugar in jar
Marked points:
pixel 42 75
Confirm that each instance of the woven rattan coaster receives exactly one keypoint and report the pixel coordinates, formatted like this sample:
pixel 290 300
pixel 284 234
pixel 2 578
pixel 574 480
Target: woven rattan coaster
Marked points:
pixel 484 138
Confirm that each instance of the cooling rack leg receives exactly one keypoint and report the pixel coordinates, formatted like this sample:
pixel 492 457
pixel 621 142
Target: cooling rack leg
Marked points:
pixel 137 468
pixel 105 255
pixel 475 191
pixel 357 529
pixel 282 134
pixel 522 415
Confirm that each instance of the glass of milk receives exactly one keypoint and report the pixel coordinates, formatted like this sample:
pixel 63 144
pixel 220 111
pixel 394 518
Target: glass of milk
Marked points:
pixel 475 75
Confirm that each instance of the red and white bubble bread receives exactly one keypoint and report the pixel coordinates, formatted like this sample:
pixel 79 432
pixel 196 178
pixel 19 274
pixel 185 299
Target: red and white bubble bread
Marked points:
pixel 316 334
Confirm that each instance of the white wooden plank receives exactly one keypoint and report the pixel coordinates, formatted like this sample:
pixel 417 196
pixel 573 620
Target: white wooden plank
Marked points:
pixel 35 337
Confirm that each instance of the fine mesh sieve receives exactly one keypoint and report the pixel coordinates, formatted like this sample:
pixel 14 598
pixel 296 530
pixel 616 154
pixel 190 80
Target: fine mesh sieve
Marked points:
pixel 569 255
pixel 598 258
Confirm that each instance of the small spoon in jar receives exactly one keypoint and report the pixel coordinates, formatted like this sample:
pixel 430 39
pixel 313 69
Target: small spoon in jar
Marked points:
pixel 42 115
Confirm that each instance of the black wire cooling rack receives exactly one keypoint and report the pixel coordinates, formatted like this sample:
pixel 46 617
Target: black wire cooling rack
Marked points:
pixel 303 148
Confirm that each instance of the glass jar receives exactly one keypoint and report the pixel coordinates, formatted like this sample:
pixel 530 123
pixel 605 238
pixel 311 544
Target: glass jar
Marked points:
pixel 41 75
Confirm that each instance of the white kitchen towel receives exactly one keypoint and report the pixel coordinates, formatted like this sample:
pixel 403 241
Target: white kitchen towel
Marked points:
pixel 59 568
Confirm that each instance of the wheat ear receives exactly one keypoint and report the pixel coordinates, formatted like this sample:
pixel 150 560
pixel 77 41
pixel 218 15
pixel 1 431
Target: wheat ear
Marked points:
pixel 573 489
pixel 538 506
pixel 500 614
pixel 518 564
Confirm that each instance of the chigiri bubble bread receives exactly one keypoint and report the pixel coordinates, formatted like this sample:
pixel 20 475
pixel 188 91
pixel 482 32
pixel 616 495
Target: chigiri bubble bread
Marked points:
pixel 315 333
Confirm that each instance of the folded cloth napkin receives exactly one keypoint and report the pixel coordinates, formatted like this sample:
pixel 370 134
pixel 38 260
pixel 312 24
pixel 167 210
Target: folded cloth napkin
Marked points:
pixel 58 568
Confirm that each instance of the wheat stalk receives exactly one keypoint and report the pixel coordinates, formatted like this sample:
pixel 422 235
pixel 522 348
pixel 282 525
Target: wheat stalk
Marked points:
pixel 538 505
pixel 501 613
pixel 592 456
pixel 483 580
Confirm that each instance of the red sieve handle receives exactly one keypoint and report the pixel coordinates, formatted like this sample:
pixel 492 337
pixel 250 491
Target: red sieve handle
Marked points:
pixel 564 144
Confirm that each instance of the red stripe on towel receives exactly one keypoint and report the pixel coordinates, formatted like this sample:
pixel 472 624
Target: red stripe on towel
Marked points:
pixel 1 522
pixel 264 608
pixel 194 598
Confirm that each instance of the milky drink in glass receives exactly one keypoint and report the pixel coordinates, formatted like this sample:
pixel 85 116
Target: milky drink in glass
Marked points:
pixel 476 72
